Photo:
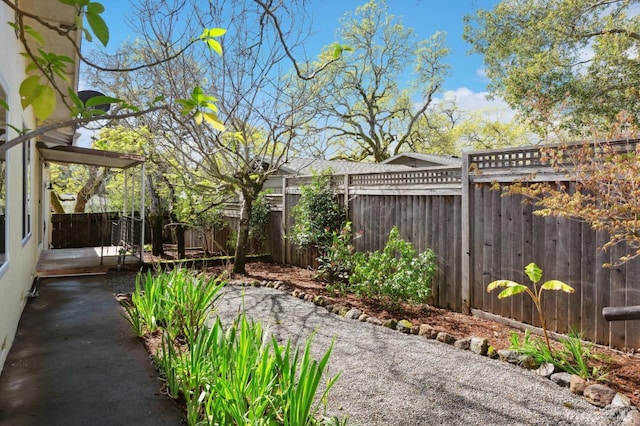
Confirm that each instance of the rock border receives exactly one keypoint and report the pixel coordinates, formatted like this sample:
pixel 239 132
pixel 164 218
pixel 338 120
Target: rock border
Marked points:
pixel 617 405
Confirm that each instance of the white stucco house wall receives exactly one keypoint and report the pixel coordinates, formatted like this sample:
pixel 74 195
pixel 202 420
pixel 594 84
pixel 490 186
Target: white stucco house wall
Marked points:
pixel 24 199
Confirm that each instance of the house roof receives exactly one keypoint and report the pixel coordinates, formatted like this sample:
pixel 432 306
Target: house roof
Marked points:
pixel 307 166
pixel 445 160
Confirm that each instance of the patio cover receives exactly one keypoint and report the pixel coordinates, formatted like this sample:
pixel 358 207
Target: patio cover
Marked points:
pixel 89 156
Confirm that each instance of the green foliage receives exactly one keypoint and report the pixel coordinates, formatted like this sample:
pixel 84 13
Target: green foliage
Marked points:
pixel 535 274
pixel 177 301
pixel 375 114
pixel 259 221
pixel 336 264
pixel 233 375
pixel 397 273
pixel 317 214
pixel 561 62
pixel 574 356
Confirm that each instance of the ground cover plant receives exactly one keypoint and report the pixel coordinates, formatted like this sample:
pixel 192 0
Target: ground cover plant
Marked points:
pixel 231 375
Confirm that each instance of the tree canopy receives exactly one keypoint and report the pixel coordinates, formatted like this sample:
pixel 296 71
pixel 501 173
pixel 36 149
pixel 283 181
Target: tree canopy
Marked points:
pixel 361 100
pixel 566 65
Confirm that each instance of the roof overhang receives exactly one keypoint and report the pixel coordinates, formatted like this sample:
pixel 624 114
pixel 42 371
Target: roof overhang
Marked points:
pixel 89 157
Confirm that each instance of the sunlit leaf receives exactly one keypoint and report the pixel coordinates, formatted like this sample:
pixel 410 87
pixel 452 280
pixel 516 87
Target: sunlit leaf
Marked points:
pixel 97 24
pixel 4 104
pixel 215 46
pixel 533 272
pixel 512 290
pixel 557 285
pixel 100 100
pixel 500 283
pixel 44 103
pixel 198 118
pixel 28 90
pixel 214 121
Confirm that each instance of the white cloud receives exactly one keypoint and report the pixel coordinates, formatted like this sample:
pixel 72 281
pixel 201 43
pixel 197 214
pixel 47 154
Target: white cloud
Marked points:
pixel 478 102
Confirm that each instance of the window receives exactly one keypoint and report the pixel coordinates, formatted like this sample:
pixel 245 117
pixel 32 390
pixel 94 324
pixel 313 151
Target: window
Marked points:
pixel 26 189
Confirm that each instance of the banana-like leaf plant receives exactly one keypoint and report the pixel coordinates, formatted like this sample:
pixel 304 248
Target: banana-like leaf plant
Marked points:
pixel 534 273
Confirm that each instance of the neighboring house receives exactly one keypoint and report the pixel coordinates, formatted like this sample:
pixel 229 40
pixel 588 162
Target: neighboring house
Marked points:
pixel 414 159
pixel 24 168
pixel 400 162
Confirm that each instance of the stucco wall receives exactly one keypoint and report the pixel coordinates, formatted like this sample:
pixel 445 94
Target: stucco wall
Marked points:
pixel 16 275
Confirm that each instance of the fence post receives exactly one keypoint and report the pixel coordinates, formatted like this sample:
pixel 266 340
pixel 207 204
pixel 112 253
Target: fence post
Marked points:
pixel 346 196
pixel 465 230
pixel 284 220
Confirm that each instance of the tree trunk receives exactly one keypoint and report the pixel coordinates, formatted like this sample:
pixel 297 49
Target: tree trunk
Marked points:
pixel 55 203
pixel 89 189
pixel 157 226
pixel 182 252
pixel 242 245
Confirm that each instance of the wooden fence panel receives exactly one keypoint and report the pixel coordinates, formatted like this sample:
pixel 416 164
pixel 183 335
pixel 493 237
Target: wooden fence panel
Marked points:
pixel 76 230
pixel 504 236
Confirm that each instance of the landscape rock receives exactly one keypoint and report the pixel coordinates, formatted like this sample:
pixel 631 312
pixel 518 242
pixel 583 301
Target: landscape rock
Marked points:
pixel 391 323
pixel 561 379
pixel 577 384
pixel 509 356
pixel 463 344
pixel 599 395
pixel 546 369
pixel 479 345
pixel 363 317
pixel 353 313
pixel 329 307
pixel 404 326
pixel 374 320
pixel 445 337
pixel 415 329
pixel 427 331
pixel 632 418
pixel 621 401
pixel 336 309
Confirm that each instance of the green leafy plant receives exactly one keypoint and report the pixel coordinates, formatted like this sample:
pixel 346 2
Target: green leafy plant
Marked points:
pixel 317 214
pixel 231 375
pixel 397 273
pixel 259 221
pixel 535 274
pixel 573 356
pixel 336 264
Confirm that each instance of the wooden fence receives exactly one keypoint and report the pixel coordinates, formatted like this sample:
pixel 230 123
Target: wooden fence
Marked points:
pixel 480 236
pixel 76 230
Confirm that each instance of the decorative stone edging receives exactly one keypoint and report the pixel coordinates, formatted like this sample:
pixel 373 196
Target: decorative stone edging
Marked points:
pixel 618 406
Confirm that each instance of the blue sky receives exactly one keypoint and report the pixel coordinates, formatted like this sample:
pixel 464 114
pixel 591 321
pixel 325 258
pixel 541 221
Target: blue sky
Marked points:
pixel 424 16
pixel 466 84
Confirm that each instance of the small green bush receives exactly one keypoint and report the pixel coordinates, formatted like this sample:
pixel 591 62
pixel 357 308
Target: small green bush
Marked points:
pixel 317 214
pixel 336 264
pixel 397 273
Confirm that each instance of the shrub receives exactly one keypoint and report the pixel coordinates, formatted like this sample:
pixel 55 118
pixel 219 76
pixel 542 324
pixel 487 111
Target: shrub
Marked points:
pixel 397 273
pixel 259 220
pixel 317 214
pixel 336 264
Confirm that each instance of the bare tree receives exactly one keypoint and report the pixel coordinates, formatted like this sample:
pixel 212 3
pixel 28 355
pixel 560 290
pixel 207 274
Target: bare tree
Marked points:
pixel 257 97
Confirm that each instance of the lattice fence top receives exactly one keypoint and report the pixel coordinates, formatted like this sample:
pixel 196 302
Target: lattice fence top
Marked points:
pixel 531 156
pixel 430 176
pixel 418 177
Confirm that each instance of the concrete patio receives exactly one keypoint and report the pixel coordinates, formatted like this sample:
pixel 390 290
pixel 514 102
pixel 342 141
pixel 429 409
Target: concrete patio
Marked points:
pixel 76 361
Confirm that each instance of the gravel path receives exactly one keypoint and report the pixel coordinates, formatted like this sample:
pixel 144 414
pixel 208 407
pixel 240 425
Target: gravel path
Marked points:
pixel 389 378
